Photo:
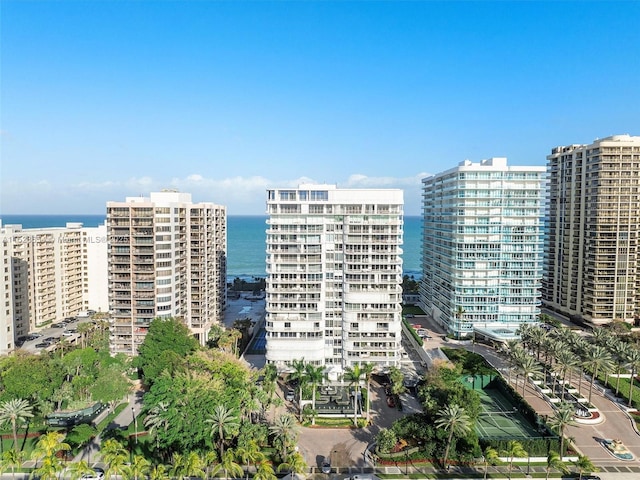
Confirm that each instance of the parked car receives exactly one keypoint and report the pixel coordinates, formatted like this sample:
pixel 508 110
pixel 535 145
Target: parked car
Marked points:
pixel 325 467
pixel 58 325
pixel 391 401
pixel 98 474
pixel 67 333
pixel 289 395
pixel 42 345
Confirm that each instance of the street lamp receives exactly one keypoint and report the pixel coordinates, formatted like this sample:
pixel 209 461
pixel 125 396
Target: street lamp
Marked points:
pixel 135 423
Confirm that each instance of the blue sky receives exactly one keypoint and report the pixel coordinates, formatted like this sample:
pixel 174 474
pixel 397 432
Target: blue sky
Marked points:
pixel 107 99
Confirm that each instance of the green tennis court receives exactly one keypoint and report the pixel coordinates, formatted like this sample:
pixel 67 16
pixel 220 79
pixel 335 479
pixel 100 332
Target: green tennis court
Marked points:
pixel 501 418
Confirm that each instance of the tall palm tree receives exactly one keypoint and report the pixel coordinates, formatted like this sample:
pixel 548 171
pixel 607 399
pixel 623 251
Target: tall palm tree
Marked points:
pixel 514 450
pixel 562 418
pixel 584 465
pixel 139 467
pixel 11 458
pixel 249 454
pixel 367 371
pixel 229 465
pixel 78 469
pixel 620 352
pixel 156 420
pixel 223 422
pixel 286 432
pixel 15 411
pixel 314 376
pixel 295 465
pixel 537 337
pixel 299 375
pixel 528 366
pixel 45 455
pixel 265 471
pixel 353 375
pixel 633 362
pixel 454 420
pixel 598 358
pixel 115 456
pixel 566 361
pixel 554 461
pixel 490 457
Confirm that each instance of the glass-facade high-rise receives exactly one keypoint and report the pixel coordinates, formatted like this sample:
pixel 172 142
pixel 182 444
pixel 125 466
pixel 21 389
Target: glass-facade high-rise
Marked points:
pixel 482 246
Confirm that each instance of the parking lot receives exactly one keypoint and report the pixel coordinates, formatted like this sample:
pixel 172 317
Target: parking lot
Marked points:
pixel 49 338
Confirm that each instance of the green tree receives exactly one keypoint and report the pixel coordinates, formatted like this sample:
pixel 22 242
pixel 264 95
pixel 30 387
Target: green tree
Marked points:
pixel 598 359
pixel 265 471
pixel 166 343
pixel 115 456
pixel 249 454
pixel 514 450
pixel 454 420
pixel 158 472
pixel 633 362
pixel 562 418
pixel 554 461
pixel 48 464
pixel 285 431
pixel 229 465
pixel 367 371
pixel 584 465
pixel 13 412
pixel 111 386
pixel 78 469
pixel 490 457
pixel 621 352
pixel 12 459
pixel 314 377
pixel 223 423
pixel 353 376
pixel 139 467
pixel 528 366
pixel 295 465
pixel 386 440
pixel 299 375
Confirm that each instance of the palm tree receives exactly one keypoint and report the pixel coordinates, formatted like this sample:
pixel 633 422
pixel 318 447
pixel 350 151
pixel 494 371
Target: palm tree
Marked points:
pixel 270 372
pixel 158 472
pixel 115 456
pixel 584 465
pixel 14 411
pixel 228 465
pixel 490 457
pixel 78 469
pixel 11 458
pixel 528 366
pixel 566 361
pixel 314 377
pixel 250 454
pixel 295 465
pixel 459 314
pixel 454 420
pixel 45 452
pixel 633 362
pixel 621 352
pixel 562 418
pixel 223 421
pixel 554 461
pixel 138 468
pixel 537 337
pixel 299 375
pixel 598 358
pixel 286 432
pixel 265 471
pixel 353 375
pixel 367 371
pixel 514 449
pixel 193 465
pixel 155 421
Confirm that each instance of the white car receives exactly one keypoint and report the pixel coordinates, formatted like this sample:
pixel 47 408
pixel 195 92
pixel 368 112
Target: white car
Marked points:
pixel 98 474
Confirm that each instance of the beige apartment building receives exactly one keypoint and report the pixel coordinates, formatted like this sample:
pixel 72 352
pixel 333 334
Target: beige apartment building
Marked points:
pixel 592 270
pixel 167 258
pixel 50 274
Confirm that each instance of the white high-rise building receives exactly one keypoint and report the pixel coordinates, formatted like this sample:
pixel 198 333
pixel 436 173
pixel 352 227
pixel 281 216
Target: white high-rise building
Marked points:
pixel 593 243
pixel 50 274
pixel 167 258
pixel 482 246
pixel 334 274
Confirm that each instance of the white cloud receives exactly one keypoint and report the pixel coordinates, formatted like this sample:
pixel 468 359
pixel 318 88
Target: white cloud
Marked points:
pixel 241 195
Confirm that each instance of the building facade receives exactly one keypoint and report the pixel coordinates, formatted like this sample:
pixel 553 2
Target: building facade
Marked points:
pixel 482 246
pixel 591 265
pixel 167 258
pixel 334 274
pixel 50 274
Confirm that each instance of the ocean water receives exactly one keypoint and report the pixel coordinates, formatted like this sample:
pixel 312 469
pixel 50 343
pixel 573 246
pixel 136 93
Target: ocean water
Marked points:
pixel 246 238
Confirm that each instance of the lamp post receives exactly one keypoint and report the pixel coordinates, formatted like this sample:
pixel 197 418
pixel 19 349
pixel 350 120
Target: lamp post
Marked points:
pixel 135 423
